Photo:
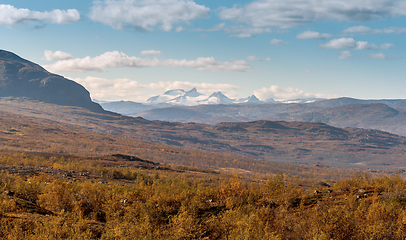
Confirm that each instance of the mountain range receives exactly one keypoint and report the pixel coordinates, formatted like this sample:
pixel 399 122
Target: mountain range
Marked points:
pixel 177 97
pixel 193 97
pixel 381 114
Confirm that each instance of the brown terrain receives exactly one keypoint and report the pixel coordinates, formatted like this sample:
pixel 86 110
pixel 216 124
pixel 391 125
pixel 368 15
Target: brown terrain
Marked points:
pixel 385 115
pixel 301 143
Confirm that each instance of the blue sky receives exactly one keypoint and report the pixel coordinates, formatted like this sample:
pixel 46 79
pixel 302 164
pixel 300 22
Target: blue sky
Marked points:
pixel 133 49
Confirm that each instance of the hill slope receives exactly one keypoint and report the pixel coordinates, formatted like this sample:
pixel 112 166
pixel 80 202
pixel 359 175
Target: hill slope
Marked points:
pixel 22 78
pixel 371 116
pixel 385 115
pixel 285 142
pixel 20 134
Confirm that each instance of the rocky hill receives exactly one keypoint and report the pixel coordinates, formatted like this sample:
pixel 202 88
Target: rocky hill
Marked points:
pixel 22 78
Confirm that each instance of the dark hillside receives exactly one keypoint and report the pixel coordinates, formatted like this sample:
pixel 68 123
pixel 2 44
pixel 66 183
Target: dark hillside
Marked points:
pixel 22 78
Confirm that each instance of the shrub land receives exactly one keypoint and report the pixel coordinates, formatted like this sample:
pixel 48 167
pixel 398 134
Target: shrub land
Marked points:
pixel 55 198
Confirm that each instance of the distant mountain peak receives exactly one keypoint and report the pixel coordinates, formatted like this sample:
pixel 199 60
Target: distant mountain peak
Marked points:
pixel 217 94
pixel 151 99
pixel 252 98
pixel 192 93
pixel 179 97
pixel 174 92
pixel 219 98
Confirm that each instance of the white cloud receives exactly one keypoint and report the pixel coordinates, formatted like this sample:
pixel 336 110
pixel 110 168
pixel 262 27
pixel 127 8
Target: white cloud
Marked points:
pixel 126 89
pixel 236 31
pixel 307 71
pixel 277 42
pixel 377 56
pixel 361 45
pixel 358 29
pixel 253 58
pixel 9 15
pixel 394 30
pixel 245 32
pixel 151 53
pixel 117 59
pixel 347 43
pixel 367 30
pixel 387 45
pixel 58 55
pixel 345 55
pixel 339 43
pixel 279 93
pixel 256 59
pixel 217 27
pixel 291 13
pixel 145 14
pixel 313 35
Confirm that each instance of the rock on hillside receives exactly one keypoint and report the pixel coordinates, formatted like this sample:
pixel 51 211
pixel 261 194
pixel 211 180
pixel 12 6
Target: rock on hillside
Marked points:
pixel 22 78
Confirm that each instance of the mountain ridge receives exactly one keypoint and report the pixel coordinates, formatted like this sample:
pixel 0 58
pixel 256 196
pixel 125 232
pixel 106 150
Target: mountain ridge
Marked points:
pixel 386 115
pixel 22 78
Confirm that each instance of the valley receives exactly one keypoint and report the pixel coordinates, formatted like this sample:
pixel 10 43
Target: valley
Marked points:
pixel 284 142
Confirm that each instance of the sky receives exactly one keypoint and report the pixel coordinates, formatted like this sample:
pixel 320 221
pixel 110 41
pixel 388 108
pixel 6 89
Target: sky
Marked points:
pixel 134 49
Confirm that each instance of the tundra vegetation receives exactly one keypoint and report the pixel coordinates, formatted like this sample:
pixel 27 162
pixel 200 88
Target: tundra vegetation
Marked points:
pixel 57 197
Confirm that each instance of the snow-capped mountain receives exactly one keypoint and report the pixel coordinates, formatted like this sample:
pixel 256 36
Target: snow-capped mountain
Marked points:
pixel 249 100
pixel 180 97
pixel 192 93
pixel 217 98
pixel 166 97
pixel 303 101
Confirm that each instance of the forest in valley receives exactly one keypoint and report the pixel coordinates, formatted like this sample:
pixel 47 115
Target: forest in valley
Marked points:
pixel 56 197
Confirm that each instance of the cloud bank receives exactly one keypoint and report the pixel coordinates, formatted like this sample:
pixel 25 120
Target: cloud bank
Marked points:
pixel 117 59
pixel 236 31
pixel 366 30
pixel 291 13
pixel 344 55
pixel 278 42
pixel 146 14
pixel 126 89
pixel 151 53
pixel 58 55
pixel 9 15
pixel 377 56
pixel 281 94
pixel 387 45
pixel 348 43
pixel 313 35
pixel 256 59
